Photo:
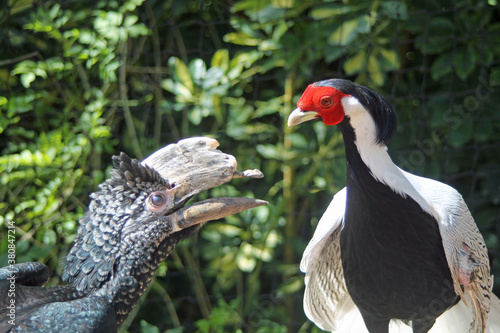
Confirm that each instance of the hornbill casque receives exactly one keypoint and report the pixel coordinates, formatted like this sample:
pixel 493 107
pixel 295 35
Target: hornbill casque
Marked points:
pixel 133 223
pixel 393 250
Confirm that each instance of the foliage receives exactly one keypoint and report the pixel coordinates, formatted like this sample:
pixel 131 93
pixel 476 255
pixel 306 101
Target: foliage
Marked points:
pixel 80 81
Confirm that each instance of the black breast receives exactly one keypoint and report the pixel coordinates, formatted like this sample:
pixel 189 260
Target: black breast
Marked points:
pixel 392 253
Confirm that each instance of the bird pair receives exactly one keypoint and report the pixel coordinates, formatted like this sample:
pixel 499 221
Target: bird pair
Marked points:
pixel 393 250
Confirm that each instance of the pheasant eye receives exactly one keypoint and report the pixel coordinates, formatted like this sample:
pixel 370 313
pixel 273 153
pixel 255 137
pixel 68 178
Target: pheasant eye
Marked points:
pixel 326 101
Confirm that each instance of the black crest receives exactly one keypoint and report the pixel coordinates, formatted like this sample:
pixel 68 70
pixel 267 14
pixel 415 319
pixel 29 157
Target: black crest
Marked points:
pixel 128 169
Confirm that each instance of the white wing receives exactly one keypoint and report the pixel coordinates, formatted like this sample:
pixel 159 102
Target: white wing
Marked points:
pixel 326 299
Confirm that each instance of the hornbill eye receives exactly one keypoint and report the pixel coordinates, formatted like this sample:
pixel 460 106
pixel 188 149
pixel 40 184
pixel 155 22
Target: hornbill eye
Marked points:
pixel 326 101
pixel 157 201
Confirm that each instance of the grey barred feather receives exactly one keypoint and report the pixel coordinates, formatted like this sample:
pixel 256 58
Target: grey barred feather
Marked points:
pixel 326 290
pixel 326 294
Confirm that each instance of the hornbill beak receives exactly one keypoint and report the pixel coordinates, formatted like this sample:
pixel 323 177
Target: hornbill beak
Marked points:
pixel 194 165
pixel 300 116
pixel 211 209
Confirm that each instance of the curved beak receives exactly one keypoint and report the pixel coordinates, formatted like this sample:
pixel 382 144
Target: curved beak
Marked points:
pixel 299 116
pixel 209 210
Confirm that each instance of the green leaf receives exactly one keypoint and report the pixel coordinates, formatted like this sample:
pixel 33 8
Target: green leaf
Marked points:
pixel 268 151
pixel 18 6
pixel 241 38
pixel 197 69
pixel 356 63
pixel 484 131
pixel 148 328
pixel 390 59
pixel 298 140
pixel 221 59
pixel 130 20
pixel 195 115
pixel 49 237
pixel 332 53
pixel 212 80
pixel 364 24
pixel 495 76
pixel 441 66
pixel 22 246
pixel 437 38
pixel 138 30
pixel 348 30
pixel 345 33
pixel 376 74
pixel 465 62
pixel 181 73
pixel 27 78
pixel 462 133
pixel 325 11
pixel 245 259
pixel 395 10
pixel 37 251
pixel 292 286
pixel 56 64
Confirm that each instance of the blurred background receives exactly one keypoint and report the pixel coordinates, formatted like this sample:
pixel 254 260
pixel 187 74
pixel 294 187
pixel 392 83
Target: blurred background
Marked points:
pixel 81 81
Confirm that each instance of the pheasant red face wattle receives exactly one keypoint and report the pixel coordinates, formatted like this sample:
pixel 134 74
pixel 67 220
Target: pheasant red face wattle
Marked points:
pixel 317 102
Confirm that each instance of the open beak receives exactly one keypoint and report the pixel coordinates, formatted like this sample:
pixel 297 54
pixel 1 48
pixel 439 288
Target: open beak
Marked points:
pixel 211 209
pixel 299 116
pixel 194 165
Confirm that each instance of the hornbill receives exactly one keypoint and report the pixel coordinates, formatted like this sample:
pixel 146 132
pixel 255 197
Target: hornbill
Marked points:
pixel 392 249
pixel 133 223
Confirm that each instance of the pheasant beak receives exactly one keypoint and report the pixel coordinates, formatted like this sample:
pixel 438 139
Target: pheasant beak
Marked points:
pixel 300 116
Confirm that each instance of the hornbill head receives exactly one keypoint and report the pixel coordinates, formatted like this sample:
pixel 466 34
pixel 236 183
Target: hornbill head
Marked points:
pixel 138 217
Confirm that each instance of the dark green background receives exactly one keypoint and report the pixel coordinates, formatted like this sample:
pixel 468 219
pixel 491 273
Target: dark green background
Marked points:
pixel 83 80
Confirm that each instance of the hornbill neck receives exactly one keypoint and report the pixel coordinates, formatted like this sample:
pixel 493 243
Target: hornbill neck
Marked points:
pixel 138 263
pixel 120 273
